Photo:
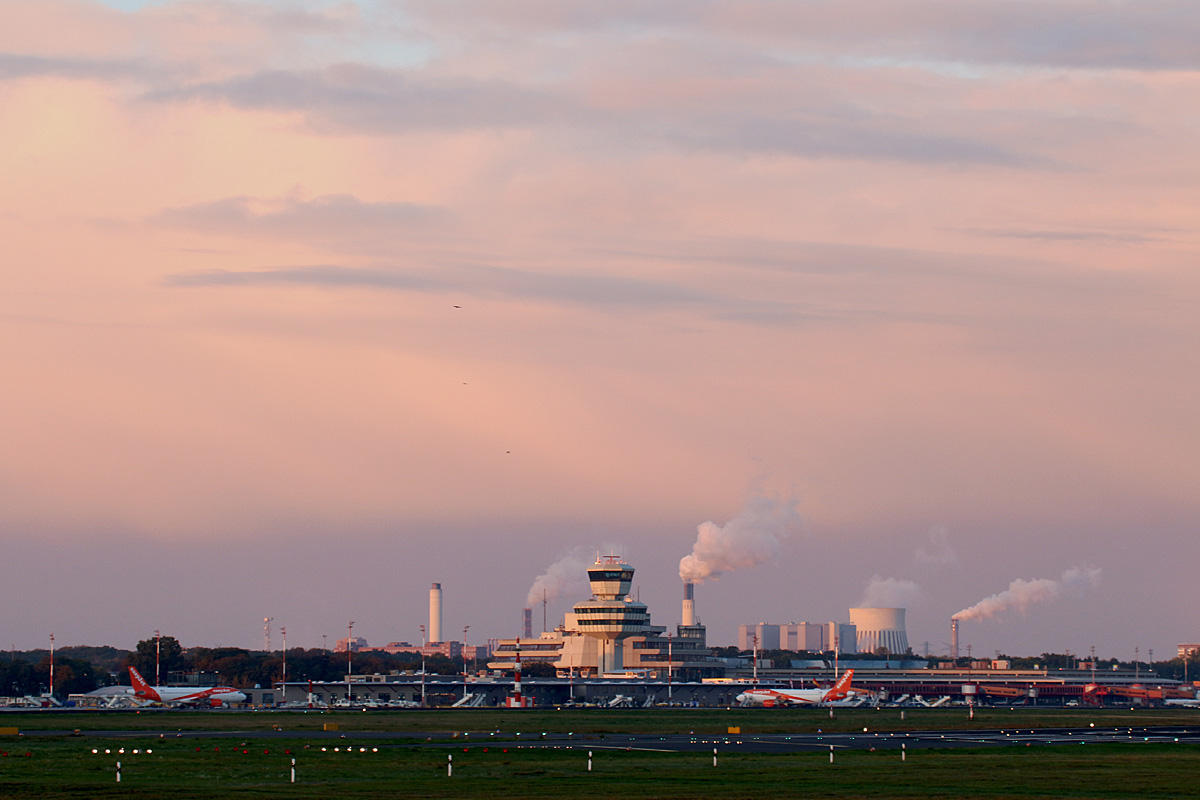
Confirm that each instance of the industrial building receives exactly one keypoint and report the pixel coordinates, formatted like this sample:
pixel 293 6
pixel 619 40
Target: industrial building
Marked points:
pixel 870 630
pixel 611 635
pixel 880 629
pixel 812 637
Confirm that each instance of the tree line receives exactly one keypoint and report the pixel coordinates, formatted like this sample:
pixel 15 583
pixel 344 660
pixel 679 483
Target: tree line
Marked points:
pixel 83 669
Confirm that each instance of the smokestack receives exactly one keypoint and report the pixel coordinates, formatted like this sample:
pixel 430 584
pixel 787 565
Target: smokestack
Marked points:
pixel 435 613
pixel 689 604
pixel 527 624
pixel 954 639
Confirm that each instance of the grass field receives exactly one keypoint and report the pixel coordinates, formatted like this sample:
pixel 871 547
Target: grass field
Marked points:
pixel 65 767
pixel 644 721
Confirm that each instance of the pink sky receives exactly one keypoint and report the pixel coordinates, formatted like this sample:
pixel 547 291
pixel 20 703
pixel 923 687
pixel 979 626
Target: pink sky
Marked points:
pixel 309 304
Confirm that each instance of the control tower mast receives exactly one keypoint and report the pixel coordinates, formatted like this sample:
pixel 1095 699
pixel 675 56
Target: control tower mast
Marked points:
pixel 610 615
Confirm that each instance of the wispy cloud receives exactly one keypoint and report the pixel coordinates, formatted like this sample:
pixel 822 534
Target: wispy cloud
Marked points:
pixel 601 291
pixel 337 215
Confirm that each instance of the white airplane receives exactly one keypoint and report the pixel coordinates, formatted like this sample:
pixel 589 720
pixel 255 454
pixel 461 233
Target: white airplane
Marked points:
pixel 799 697
pixel 215 696
pixel 1185 703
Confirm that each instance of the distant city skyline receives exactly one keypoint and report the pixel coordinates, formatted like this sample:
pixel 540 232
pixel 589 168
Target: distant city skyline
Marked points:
pixel 310 304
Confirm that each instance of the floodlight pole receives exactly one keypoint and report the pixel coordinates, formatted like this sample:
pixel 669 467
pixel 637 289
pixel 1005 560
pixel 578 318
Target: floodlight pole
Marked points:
pixel 349 665
pixel 422 666
pixel 52 665
pixel 464 659
pixel 670 664
pixel 157 657
pixel 283 633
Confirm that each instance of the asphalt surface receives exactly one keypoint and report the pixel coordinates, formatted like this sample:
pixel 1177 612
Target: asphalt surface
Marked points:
pixel 682 743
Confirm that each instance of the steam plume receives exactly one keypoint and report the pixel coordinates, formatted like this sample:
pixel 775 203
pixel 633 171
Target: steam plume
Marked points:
pixel 889 593
pixel 936 551
pixel 565 577
pixel 752 537
pixel 1021 594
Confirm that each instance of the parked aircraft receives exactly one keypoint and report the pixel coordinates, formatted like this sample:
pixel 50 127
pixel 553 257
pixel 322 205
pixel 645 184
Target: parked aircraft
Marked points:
pixel 184 695
pixel 799 697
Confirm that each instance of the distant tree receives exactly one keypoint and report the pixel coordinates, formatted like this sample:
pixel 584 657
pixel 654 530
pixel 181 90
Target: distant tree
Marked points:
pixel 166 653
pixel 71 676
pixel 538 669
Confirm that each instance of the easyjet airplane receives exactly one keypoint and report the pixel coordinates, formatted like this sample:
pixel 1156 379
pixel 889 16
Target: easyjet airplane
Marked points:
pixel 784 697
pixel 184 695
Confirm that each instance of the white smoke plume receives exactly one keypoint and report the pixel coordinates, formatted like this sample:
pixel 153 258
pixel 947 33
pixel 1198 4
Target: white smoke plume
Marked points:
pixel 566 577
pixel 890 593
pixel 936 551
pixel 1021 594
pixel 752 537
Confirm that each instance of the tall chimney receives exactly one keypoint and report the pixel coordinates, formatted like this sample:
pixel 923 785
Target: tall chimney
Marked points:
pixel 527 624
pixel 435 613
pixel 689 604
pixel 954 639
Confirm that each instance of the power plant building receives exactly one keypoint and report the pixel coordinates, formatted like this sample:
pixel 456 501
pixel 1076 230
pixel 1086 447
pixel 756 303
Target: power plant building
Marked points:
pixel 611 634
pixel 880 629
pixel 813 637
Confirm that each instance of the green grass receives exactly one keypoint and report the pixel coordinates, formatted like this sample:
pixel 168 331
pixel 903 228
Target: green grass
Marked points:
pixel 598 721
pixel 64 767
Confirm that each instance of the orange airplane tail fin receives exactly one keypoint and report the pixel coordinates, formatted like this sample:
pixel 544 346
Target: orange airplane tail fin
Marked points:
pixel 842 687
pixel 140 687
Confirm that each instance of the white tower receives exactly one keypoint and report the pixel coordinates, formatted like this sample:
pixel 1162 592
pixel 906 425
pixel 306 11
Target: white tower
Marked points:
pixel 610 615
pixel 435 613
pixel 689 605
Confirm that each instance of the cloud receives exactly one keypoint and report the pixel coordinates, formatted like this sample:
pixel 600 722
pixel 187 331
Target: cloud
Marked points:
pixel 1158 34
pixel 1102 237
pixel 335 215
pixel 15 66
pixel 361 98
pixel 883 592
pixel 600 291
pixel 936 551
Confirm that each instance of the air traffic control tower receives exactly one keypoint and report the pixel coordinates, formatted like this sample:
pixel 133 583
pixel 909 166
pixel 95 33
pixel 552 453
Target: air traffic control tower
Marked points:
pixel 610 615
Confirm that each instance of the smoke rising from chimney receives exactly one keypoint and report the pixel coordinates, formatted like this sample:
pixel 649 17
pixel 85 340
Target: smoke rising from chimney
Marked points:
pixel 752 537
pixel 936 551
pixel 1021 594
pixel 566 577
pixel 890 593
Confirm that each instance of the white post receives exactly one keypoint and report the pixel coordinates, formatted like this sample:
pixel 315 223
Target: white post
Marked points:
pixel 714 756
pixel 830 754
pixel 293 770
pixel 450 765
pixel 589 760
pixel 118 772
pixel 903 752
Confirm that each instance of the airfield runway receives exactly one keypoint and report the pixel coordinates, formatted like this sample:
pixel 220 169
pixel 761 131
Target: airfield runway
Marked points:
pixel 764 743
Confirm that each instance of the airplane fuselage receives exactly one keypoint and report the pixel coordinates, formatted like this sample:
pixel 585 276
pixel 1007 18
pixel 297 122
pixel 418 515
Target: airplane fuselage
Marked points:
pixel 184 695
pixel 799 697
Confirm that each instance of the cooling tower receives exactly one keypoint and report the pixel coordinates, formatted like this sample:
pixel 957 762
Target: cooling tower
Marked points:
pixel 689 604
pixel 435 613
pixel 880 627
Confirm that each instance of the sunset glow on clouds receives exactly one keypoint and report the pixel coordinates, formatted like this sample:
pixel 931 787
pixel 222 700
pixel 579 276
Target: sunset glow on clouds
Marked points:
pixel 382 293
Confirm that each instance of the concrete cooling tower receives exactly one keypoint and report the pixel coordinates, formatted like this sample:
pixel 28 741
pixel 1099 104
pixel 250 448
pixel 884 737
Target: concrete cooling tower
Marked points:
pixel 880 627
